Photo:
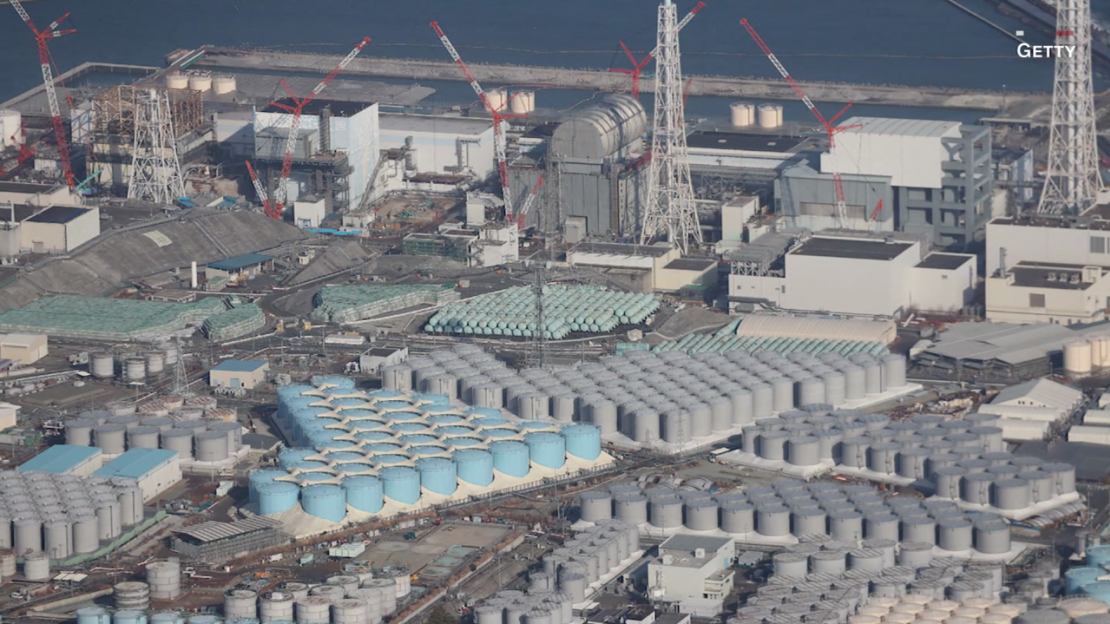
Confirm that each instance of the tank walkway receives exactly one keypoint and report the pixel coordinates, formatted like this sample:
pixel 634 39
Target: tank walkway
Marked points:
pixel 1013 103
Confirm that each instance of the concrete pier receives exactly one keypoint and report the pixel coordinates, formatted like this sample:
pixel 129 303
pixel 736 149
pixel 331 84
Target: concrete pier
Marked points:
pixel 1013 103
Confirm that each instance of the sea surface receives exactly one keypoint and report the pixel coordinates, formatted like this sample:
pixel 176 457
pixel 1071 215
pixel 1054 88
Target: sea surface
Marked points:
pixel 911 42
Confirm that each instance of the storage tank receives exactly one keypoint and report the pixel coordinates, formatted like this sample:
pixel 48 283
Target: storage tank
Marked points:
pixel 992 537
pixel 772 520
pixel 86 535
pixel 79 431
pixel 510 457
pixel 1077 577
pixel 911 462
pixel 56 538
pixel 143 437
pixel 177 81
pixel 102 365
pixel 881 526
pixel 1010 493
pixel 894 371
pixel 402 484
pixel 771 445
pixel 180 440
pixel 846 526
pixel 737 517
pixel 134 369
pixel 36 566
pixel 313 610
pixel 275 607
pixel 164 578
pixel 438 475
pixel 1077 356
pixel 474 466
pixel 882 457
pixel 665 512
pixel 111 438
pixel 701 515
pixel 854 451
pixel 583 441
pixel 802 451
pixel 949 481
pixel 770 116
pixel 277 497
pixel 791 565
pixel 742 114
pixel 131 595
pixel 364 493
pixel 222 85
pixel 919 529
pixel 808 521
pixel 975 488
pixel 810 390
pixel 630 507
pixel 211 446
pixel 1063 476
pixel 240 603
pixel 954 534
pixel 867 559
pixel 27 535
pixel 596 505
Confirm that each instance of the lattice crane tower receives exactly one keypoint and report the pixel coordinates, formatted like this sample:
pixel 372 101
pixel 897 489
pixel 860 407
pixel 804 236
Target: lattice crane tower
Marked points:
pixel 1072 179
pixel 156 170
pixel 670 210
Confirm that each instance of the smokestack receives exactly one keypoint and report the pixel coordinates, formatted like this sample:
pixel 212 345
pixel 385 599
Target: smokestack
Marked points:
pixel 193 275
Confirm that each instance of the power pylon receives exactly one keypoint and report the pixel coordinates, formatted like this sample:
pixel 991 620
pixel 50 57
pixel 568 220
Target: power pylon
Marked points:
pixel 156 171
pixel 1072 179
pixel 537 356
pixel 671 210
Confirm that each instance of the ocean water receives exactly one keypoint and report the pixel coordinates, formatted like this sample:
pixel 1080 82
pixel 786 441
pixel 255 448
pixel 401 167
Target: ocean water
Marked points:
pixel 914 42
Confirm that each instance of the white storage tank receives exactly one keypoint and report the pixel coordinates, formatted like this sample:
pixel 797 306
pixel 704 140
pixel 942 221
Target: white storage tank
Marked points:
pixel 200 82
pixel 36 566
pixel 770 116
pixel 1078 356
pixel 743 114
pixel 177 81
pixel 222 85
pixel 240 603
pixel 102 365
pixel 164 578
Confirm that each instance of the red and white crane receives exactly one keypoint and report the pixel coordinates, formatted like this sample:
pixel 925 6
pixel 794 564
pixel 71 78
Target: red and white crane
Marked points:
pixel 531 199
pixel 41 37
pixel 830 129
pixel 298 106
pixel 258 189
pixel 499 147
pixel 638 66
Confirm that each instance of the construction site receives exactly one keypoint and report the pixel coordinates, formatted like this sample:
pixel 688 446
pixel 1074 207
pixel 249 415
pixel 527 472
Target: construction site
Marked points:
pixel 301 337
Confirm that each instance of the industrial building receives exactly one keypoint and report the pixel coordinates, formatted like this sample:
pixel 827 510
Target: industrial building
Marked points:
pixel 9 415
pixel 438 144
pixel 36 194
pixel 154 470
pixel 28 228
pixel 373 360
pixel 215 542
pixel 850 273
pixel 693 573
pixel 594 166
pixel 237 268
pixel 646 268
pixel 247 374
pixel 24 349
pixel 1083 242
pixel 1049 292
pixel 65 459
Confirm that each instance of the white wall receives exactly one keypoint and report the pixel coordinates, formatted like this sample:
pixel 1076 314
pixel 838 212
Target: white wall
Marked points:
pixel 439 142
pixel 1008 303
pixel 849 285
pixel 939 290
pixel 48 196
pixel 1044 244
pixel 161 478
pixel 308 214
pixel 913 161
pixel 757 287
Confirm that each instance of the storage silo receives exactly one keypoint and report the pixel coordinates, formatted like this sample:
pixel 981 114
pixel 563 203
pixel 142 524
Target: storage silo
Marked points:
pixel 438 475
pixel 583 441
pixel 803 450
pixel 211 446
pixel 829 562
pixel 919 529
pixel 771 445
pixel 240 603
pixel 1040 485
pixel 911 462
pixel 867 559
pixel 772 520
pixel 846 526
pixel 701 515
pixel 809 521
pixel 762 399
pixel 313 610
pixel 111 438
pixel 630 507
pixel 143 437
pixel 810 390
pixel 27 535
pixel 79 431
pixel 277 497
pixel 975 488
pixel 402 484
pixel 854 451
pixel 364 493
pixel 882 457
pixel 325 501
pixel 1063 476
pixel 737 516
pixel 1010 494
pixel 894 371
pixel 954 534
pixel 916 555
pixel 36 566
pixel 164 578
pixel 57 538
pixel 510 457
pixel 665 512
pixel 992 537
pixel 595 505
pixel 275 607
pixel 790 565
pixel 676 426
pixel 881 526
pixel 949 480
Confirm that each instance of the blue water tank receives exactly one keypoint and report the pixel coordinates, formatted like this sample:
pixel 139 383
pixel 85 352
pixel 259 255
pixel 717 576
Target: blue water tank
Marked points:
pixel 340 383
pixel 166 617
pixel 533 424
pixel 417 438
pixel 291 458
pixel 547 449
pixel 426 449
pixel 453 430
pixel 291 392
pixel 373 435
pixel 277 496
pixel 259 477
pixel 325 501
pixel 461 442
pixel 392 405
pixel 445 419
pixel 93 615
pixel 129 617
pixel 409 427
pixel 364 493
pixel 475 466
pixel 344 456
pixel 309 477
pixel 381 447
pixel 485 412
pixel 387 459
pixel 583 441
pixel 494 434
pixel 384 394
pixel 510 457
pixel 438 475
pixel 358 412
pixel 432 409
pixel 485 422
pixel 353 467
pixel 401 483
pixel 432 399
pixel 1099 590
pixel 1098 556
pixel 348 401
pixel 1076 578
pixel 311 465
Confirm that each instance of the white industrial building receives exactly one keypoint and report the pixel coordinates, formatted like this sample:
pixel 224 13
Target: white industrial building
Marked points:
pixel 23 348
pixel 1029 410
pixel 153 470
pixel 9 415
pixel 646 268
pixel 309 212
pixel 1049 292
pixel 694 572
pixel 439 144
pixel 373 360
pixel 34 194
pixel 247 374
pixel 497 243
pixel 847 275
pixel 54 229
pixel 1083 242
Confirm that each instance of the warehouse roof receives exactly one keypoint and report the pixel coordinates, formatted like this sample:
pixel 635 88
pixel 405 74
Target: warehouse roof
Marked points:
pixel 623 249
pixel 741 141
pixel 17 213
pixel 213 531
pixel 58 214
pixel 136 463
pixel 26 187
pixel 882 332
pixel 945 261
pixel 690 264
pixel 20 340
pixel 434 123
pixel 59 459
pixel 851 248
pixel 240 366
pixel 1039 393
pixel 694 542
pixel 1005 342
pixel 239 262
pixel 900 127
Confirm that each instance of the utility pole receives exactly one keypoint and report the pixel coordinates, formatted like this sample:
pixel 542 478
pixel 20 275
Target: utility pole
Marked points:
pixel 537 356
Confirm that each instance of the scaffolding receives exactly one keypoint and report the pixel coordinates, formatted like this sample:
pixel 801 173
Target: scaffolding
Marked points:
pixel 114 110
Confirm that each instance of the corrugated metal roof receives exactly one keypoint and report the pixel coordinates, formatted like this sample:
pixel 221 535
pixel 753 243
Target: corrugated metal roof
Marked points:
pixel 59 459
pixel 239 366
pixel 693 542
pixel 239 262
pixel 136 463
pixel 212 531
pixel 901 127
pixel 1039 393
pixel 882 332
pixel 1005 342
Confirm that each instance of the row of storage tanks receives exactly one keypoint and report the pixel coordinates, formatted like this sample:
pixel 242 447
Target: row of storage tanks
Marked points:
pixel 846 513
pixel 747 114
pixel 185 430
pixel 386 445
pixel 1084 579
pixel 917 608
pixel 648 397
pixel 536 606
pixel 201 81
pixel 62 515
pixel 587 557
pixel 133 367
pixel 964 458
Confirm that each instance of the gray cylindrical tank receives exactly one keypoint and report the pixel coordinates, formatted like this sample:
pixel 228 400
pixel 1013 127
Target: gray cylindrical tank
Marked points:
pixel 1040 485
pixel 829 562
pixel 737 517
pixel 314 610
pixel 56 538
pixel 919 529
pixel 855 450
pixel 810 390
pixel 916 555
pixel 855 382
pixel 275 607
pixel 79 431
pixel 954 534
pixel 791 565
pixel 803 450
pixel 630 507
pixel 772 520
pixel 782 390
pixel 86 535
pixel 665 512
pixel 27 535
pixel 111 438
pixel 596 505
pixel 701 515
pixel 1010 493
pixel 882 457
pixel 676 426
pixel 894 371
pixel 975 488
pixel 143 437
pixel 36 566
pixel 809 522
pixel 881 526
pixel 180 440
pixel 911 462
pixel 846 526
pixel 164 578
pixel 742 406
pixel 992 537
pixel 240 603
pixel 762 400
pixel 1043 616
pixel 835 388
pixel 1063 476
pixel 772 444
pixel 868 559
pixel 949 481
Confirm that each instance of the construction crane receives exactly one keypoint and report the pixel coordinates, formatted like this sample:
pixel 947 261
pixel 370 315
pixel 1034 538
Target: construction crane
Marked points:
pixel 41 37
pixel 830 129
pixel 298 106
pixel 531 199
pixel 84 183
pixel 638 67
pixel 261 191
pixel 498 117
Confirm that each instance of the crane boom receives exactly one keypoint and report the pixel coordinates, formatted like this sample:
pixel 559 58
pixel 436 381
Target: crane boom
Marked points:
pixel 682 24
pixel 258 188
pixel 499 147
pixel 638 66
pixel 41 37
pixel 531 199
pixel 281 192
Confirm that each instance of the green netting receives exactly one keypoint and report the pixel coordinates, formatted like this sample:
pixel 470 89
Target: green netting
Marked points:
pixel 726 339
pixel 235 322
pixel 95 318
pixel 511 312
pixel 346 304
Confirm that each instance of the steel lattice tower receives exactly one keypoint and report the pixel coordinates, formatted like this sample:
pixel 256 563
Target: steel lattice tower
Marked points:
pixel 670 209
pixel 1072 179
pixel 156 171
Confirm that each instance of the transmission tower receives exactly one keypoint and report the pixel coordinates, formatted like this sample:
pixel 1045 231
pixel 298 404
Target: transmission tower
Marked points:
pixel 537 356
pixel 670 210
pixel 156 171
pixel 1072 178
pixel 180 377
